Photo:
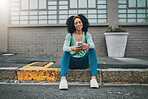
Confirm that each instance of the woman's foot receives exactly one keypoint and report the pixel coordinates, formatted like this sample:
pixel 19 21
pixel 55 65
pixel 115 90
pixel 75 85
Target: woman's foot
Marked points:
pixel 94 83
pixel 63 83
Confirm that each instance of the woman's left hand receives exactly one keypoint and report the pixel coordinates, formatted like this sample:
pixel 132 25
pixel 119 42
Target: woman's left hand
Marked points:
pixel 84 46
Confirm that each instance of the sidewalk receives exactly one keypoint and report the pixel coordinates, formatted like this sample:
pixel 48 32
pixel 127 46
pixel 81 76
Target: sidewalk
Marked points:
pixel 110 70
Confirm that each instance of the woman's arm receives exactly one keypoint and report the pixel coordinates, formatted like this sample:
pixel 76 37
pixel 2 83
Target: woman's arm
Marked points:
pixel 66 46
pixel 90 44
pixel 90 41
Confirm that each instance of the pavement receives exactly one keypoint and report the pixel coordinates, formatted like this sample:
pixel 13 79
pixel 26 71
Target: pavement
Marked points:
pixel 20 66
pixel 26 91
pixel 20 60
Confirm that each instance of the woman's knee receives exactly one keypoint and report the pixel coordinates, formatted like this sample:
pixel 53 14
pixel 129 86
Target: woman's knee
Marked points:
pixel 92 50
pixel 66 53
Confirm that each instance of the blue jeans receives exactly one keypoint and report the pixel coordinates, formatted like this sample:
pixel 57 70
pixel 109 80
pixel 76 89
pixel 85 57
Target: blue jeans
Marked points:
pixel 88 60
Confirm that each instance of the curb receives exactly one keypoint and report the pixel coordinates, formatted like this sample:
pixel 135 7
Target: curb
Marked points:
pixel 8 73
pixel 125 76
pixel 114 76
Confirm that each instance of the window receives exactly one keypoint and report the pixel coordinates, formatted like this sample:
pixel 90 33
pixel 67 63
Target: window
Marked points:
pixel 33 4
pixel 56 11
pixel 91 3
pixel 73 3
pixel 24 4
pixel 132 3
pixel 83 3
pixel 94 10
pixel 133 11
pixel 136 3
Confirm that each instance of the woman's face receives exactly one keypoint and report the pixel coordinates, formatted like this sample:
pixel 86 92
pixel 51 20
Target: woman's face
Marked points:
pixel 78 24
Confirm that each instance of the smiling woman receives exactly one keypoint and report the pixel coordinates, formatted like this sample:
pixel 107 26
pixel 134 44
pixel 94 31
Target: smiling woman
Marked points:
pixel 79 52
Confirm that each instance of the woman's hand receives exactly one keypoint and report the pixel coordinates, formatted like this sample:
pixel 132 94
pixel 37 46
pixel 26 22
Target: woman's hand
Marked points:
pixel 84 46
pixel 76 48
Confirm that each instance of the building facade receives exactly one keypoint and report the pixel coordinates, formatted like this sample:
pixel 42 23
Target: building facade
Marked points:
pixel 38 26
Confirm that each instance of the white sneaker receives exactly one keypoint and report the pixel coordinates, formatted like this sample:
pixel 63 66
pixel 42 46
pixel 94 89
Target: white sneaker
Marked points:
pixel 63 84
pixel 94 83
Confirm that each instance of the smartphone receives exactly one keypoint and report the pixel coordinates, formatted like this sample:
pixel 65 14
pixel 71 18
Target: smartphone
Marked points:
pixel 80 43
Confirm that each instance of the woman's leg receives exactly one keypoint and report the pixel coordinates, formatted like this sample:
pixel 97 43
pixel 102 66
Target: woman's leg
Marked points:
pixel 92 58
pixel 65 63
pixel 93 68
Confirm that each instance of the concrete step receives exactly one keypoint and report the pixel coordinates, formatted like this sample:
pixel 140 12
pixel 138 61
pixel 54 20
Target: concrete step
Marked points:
pixel 116 75
pixel 110 70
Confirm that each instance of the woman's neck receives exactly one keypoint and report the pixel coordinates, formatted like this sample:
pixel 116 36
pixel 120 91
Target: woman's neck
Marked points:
pixel 78 32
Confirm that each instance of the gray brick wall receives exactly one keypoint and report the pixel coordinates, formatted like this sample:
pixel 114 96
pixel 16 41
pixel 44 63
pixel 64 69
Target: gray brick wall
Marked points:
pixel 36 40
pixel 49 40
pixel 137 44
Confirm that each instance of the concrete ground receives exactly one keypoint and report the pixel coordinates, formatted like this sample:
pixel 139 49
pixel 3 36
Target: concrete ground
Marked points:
pixel 22 91
pixel 20 60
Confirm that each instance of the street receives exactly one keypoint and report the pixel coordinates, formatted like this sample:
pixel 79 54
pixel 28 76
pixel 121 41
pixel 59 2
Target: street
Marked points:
pixel 18 91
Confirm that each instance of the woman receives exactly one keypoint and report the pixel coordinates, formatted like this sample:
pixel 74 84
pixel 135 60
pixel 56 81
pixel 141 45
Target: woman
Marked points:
pixel 79 52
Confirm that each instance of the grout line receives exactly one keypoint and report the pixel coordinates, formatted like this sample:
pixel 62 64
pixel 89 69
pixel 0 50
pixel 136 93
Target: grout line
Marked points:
pixel 101 77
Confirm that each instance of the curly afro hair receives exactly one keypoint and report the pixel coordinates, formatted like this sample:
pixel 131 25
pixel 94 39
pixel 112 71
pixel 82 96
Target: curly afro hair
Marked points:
pixel 70 23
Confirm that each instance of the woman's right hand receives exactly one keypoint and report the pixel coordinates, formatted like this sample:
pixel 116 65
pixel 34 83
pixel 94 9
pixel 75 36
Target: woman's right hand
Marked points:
pixel 76 48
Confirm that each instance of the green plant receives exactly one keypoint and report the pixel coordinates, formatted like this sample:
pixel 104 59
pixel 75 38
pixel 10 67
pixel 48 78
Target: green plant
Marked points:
pixel 116 29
